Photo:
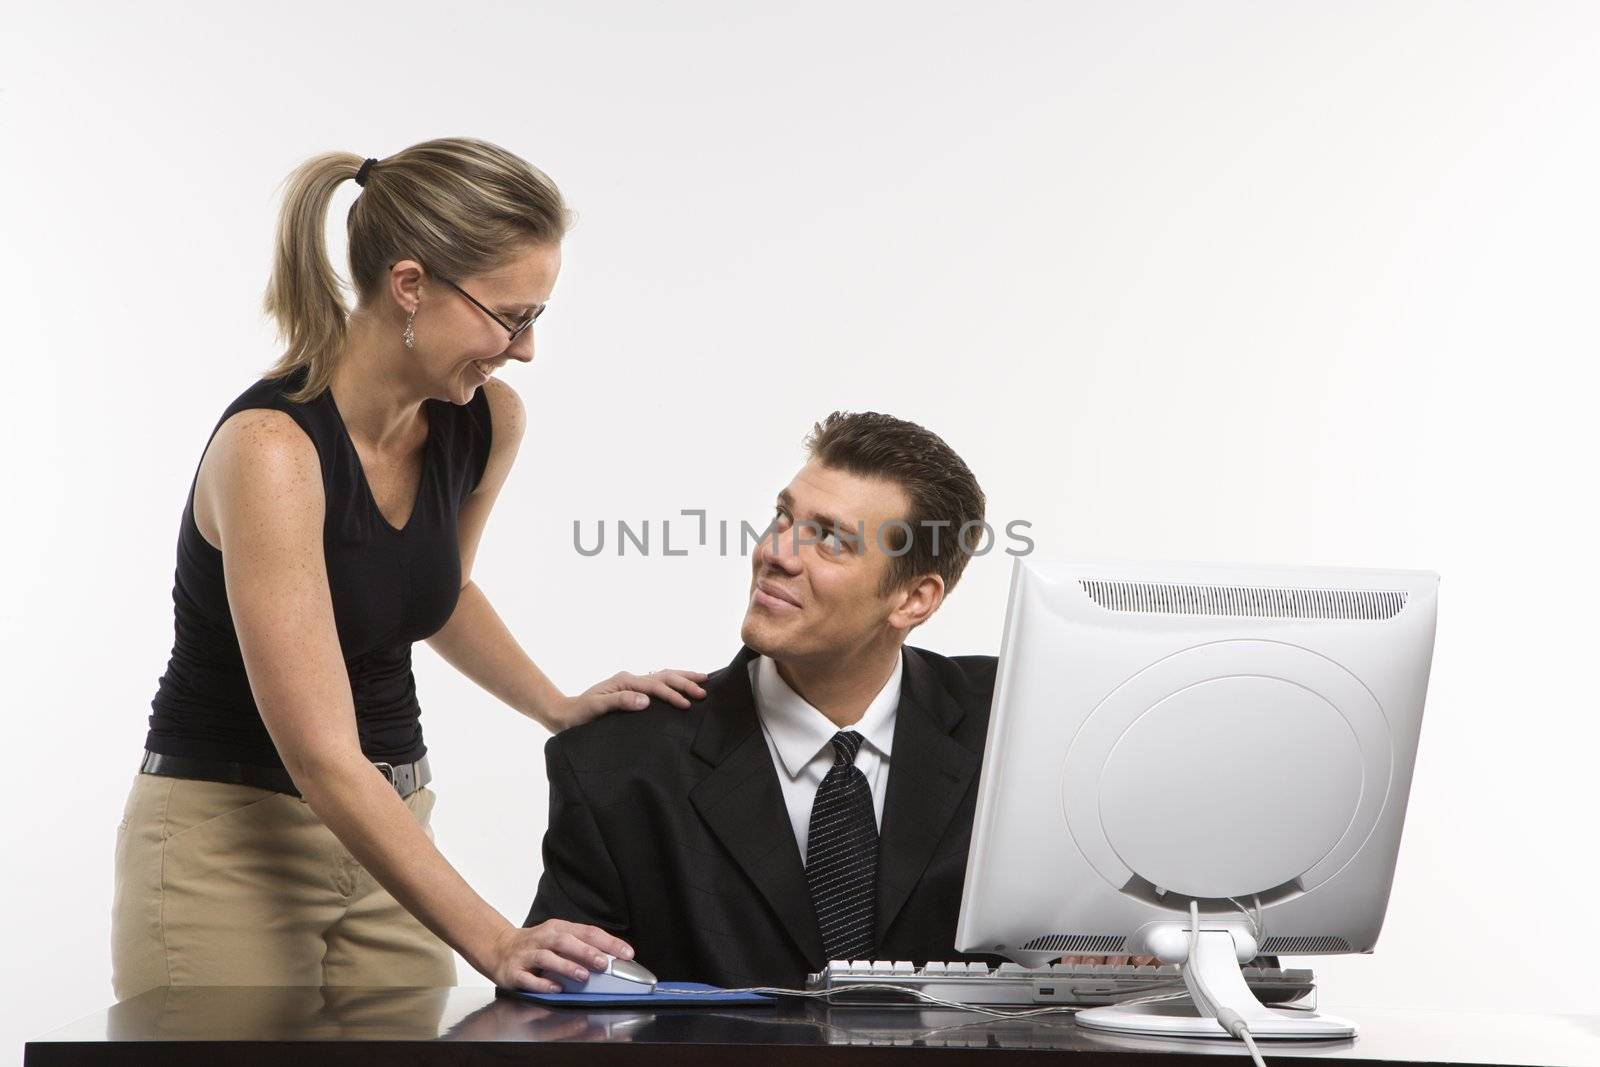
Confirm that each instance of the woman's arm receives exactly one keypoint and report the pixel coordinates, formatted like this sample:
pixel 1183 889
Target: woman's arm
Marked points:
pixel 477 643
pixel 266 498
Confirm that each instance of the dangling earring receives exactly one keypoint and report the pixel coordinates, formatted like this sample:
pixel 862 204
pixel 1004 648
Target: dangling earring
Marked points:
pixel 410 336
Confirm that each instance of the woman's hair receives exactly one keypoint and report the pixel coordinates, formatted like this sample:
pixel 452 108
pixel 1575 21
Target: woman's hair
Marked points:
pixel 460 206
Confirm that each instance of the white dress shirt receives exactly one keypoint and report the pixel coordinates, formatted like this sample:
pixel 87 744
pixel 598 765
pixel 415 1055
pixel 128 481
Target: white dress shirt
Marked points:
pixel 800 740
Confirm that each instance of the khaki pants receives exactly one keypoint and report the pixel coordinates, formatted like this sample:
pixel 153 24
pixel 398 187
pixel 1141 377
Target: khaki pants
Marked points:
pixel 219 884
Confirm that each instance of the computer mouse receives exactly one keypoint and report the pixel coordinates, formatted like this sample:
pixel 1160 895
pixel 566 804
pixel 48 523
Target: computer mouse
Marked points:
pixel 620 978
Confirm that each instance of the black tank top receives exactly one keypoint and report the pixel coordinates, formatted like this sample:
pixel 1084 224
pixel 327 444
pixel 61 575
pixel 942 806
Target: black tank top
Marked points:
pixel 390 588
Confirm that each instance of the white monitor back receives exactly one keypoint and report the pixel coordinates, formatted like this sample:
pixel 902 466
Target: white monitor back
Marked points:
pixel 1168 732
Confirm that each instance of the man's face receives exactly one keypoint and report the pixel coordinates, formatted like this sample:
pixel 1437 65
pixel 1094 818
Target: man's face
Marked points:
pixel 822 601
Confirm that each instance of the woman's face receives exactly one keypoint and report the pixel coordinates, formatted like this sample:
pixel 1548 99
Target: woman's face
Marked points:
pixel 459 345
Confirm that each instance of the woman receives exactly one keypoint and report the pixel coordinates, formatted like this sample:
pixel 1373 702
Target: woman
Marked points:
pixel 278 831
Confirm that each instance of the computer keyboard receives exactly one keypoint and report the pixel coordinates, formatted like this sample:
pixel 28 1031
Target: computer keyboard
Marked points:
pixel 1085 985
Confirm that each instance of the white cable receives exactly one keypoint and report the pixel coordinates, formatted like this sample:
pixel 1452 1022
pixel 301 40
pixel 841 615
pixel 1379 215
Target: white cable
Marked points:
pixel 1256 929
pixel 1227 1018
pixel 1236 1026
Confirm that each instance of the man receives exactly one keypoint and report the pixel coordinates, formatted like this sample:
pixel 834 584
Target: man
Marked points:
pixel 817 804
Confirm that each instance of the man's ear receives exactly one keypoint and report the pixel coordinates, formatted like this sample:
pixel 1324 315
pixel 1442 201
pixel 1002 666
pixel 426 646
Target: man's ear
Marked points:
pixel 917 600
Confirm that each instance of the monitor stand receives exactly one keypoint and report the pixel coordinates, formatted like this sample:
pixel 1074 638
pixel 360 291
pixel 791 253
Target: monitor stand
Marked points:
pixel 1215 983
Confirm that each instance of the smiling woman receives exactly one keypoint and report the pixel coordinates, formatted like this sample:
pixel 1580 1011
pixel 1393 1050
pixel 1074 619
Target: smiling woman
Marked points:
pixel 278 831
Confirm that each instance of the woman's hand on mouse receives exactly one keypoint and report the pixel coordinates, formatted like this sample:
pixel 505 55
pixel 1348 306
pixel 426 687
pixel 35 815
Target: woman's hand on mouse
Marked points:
pixel 630 692
pixel 554 946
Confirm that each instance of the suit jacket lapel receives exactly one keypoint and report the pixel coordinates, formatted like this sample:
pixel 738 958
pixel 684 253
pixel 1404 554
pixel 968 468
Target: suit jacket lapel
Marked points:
pixel 742 804
pixel 928 776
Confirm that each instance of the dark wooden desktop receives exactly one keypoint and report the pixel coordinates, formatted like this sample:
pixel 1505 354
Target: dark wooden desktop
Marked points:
pixel 466 1025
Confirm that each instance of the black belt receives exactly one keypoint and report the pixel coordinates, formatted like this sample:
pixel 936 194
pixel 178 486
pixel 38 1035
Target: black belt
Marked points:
pixel 406 778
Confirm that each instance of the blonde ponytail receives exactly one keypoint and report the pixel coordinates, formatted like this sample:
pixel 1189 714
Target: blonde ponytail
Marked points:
pixel 459 205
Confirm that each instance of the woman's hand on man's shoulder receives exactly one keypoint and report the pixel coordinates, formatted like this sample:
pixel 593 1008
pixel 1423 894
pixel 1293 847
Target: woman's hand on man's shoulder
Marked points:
pixel 631 692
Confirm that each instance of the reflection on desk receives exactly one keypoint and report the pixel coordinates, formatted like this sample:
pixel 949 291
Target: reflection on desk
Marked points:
pixel 467 1025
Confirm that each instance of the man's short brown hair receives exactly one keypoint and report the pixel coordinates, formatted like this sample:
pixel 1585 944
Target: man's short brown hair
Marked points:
pixel 946 502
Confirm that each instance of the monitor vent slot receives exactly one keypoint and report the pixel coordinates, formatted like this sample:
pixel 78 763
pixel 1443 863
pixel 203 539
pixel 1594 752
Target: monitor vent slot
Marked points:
pixel 1304 944
pixel 1260 602
pixel 1111 943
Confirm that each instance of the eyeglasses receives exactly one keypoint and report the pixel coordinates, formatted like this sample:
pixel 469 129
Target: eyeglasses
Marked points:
pixel 515 329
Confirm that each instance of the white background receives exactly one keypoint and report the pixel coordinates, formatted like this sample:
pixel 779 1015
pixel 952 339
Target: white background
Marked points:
pixel 1273 282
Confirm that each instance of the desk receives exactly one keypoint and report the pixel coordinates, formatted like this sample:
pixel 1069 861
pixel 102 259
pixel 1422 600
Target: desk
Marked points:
pixel 467 1025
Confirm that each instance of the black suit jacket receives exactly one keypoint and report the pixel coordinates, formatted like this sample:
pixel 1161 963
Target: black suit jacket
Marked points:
pixel 668 828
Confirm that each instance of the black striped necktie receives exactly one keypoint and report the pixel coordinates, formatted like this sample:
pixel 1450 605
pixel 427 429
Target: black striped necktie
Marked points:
pixel 842 855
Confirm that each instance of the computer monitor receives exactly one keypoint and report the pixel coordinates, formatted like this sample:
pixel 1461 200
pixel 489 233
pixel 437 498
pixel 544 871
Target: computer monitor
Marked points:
pixel 1223 743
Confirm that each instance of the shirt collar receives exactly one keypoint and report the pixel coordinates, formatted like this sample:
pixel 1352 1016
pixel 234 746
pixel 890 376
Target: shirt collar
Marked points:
pixel 800 732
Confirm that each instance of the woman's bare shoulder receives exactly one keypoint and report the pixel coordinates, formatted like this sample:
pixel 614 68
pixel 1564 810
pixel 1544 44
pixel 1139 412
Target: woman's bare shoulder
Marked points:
pixel 259 457
pixel 507 415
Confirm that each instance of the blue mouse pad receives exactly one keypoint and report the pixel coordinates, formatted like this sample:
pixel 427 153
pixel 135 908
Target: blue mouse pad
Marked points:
pixel 665 996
